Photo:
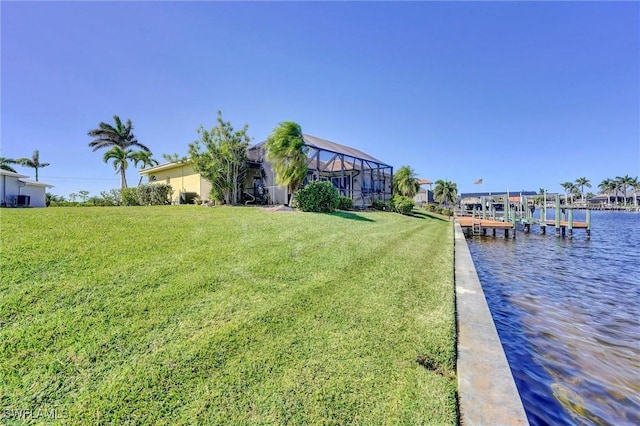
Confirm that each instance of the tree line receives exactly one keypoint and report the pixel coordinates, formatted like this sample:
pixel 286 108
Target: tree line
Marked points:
pixel 31 162
pixel 620 185
pixel 220 156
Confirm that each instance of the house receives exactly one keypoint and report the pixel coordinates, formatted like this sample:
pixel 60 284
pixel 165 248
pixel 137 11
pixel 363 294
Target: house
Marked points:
pixel 424 195
pixel 355 174
pixel 18 190
pixel 470 200
pixel 186 182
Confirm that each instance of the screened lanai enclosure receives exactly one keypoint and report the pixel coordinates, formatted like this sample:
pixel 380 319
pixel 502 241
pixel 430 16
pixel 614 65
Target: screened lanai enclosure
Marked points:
pixel 355 174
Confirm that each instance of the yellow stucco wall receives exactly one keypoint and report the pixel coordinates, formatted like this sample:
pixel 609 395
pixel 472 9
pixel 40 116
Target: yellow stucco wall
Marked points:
pixel 182 178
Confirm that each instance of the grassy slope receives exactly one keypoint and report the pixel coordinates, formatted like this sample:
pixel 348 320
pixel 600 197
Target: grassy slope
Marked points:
pixel 223 315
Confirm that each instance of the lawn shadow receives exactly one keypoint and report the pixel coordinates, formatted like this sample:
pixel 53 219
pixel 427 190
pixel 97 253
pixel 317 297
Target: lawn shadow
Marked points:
pixel 352 216
pixel 425 215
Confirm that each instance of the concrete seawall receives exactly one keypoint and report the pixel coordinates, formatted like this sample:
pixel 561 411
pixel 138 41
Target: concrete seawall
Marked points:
pixel 486 389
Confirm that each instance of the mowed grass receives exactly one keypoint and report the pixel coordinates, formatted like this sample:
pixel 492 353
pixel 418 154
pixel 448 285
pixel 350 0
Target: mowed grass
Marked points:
pixel 194 315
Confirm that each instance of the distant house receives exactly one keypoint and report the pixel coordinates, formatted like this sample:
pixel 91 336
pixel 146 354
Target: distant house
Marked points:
pixel 424 195
pixel 18 190
pixel 467 201
pixel 602 200
pixel 355 174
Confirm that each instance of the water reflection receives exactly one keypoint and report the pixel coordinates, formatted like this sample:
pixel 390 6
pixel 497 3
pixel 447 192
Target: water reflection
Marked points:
pixel 567 312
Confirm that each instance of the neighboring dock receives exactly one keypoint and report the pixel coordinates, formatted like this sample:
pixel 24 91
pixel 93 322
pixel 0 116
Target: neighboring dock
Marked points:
pixel 518 210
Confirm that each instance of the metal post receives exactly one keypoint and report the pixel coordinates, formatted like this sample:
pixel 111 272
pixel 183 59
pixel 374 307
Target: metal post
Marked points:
pixel 588 223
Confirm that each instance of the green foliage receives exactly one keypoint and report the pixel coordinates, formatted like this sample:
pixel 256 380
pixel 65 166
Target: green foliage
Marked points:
pixel 156 194
pixel 445 192
pixel 120 158
pixel 402 204
pixel 220 156
pixel 129 197
pixel 318 197
pixel 405 182
pixel 33 162
pixel 381 205
pixel 111 197
pixel 286 151
pixel 120 135
pixel 345 203
pixel 150 318
pixel 5 164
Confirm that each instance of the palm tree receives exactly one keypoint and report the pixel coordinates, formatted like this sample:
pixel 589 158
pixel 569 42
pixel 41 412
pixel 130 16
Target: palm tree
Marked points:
pixel 33 162
pixel 4 164
pixel 120 158
pixel 286 151
pixel 624 182
pixel 582 182
pixel 445 192
pixel 569 188
pixel 145 158
pixel 120 135
pixel 405 182
pixel 607 186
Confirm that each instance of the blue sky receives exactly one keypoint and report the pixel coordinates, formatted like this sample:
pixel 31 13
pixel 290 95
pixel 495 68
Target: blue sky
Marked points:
pixel 523 95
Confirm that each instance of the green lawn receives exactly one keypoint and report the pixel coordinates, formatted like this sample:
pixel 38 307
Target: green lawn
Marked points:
pixel 187 314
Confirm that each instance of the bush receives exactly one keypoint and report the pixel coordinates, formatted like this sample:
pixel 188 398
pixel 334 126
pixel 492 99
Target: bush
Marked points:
pixel 129 197
pixel 438 210
pixel 157 194
pixel 381 205
pixel 317 197
pixel 447 212
pixel 345 203
pixel 402 204
pixel 111 198
pixel 431 207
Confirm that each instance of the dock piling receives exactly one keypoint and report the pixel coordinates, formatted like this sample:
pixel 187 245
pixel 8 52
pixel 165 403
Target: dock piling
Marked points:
pixel 570 214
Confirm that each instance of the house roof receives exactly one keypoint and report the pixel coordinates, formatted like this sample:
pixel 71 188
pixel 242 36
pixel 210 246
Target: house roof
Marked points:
pixel 12 174
pixel 163 166
pixel 323 144
pixel 486 194
pixel 424 182
pixel 31 182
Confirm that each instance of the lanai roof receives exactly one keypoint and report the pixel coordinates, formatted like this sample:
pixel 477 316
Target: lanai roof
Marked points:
pixel 323 144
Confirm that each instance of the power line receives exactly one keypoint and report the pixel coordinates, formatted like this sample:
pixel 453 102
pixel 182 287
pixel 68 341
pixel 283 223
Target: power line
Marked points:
pixel 78 178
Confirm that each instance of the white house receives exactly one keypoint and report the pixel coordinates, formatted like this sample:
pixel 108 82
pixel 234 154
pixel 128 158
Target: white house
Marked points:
pixel 18 190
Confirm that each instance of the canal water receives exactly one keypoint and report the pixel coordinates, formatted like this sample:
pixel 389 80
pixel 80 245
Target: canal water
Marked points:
pixel 568 316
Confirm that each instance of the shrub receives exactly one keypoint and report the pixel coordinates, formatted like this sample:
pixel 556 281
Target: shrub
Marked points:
pixel 439 209
pixel 345 203
pixel 381 205
pixel 447 212
pixel 111 198
pixel 157 194
pixel 317 197
pixel 431 207
pixel 129 197
pixel 402 204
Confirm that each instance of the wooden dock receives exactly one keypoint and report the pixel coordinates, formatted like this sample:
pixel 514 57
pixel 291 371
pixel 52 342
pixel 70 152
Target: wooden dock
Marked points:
pixel 518 211
pixel 478 226
pixel 468 222
pixel 581 225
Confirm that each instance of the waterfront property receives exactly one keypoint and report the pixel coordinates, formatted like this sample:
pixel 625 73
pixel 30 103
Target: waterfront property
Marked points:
pixel 357 175
pixel 18 190
pixel 186 315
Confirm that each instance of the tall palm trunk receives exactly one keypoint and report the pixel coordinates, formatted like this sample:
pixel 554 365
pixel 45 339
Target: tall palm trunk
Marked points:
pixel 123 179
